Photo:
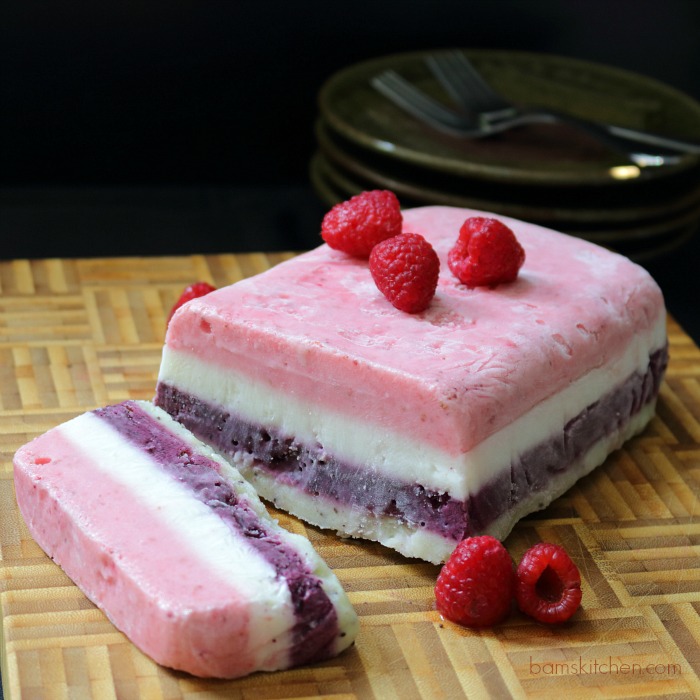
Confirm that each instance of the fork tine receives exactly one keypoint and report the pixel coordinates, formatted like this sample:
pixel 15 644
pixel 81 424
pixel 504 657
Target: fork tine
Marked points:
pixel 464 82
pixel 450 81
pixel 416 102
pixel 465 67
pixel 392 85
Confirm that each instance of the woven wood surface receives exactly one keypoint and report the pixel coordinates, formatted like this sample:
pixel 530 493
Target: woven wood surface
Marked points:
pixel 78 334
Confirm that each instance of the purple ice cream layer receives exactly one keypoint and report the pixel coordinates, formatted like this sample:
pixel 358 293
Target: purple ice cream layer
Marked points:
pixel 311 469
pixel 316 626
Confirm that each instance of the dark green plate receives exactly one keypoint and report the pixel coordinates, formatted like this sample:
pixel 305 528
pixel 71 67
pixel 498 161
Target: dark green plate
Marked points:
pixel 422 186
pixel 544 154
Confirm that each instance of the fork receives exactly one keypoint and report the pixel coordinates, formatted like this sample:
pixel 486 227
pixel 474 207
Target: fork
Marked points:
pixel 423 107
pixel 413 100
pixel 469 89
pixel 471 125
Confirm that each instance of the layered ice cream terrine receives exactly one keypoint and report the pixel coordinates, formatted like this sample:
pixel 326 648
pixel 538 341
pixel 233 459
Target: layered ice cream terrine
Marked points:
pixel 417 430
pixel 176 548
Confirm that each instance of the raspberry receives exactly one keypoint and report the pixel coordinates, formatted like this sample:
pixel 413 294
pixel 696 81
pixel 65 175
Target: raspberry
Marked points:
pixel 358 224
pixel 486 253
pixel 475 587
pixel 192 291
pixel 548 585
pixel 405 269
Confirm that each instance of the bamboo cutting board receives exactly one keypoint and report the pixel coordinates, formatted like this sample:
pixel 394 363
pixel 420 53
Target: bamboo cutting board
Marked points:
pixel 78 334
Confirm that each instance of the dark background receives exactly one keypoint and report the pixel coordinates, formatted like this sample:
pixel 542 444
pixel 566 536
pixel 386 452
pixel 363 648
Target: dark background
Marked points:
pixel 147 127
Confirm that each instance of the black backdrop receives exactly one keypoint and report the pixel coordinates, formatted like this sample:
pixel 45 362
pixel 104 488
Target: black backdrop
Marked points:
pixel 132 127
pixel 199 92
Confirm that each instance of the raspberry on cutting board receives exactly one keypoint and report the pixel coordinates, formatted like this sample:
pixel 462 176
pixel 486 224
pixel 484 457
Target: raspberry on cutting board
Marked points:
pixel 476 585
pixel 548 584
pixel 405 269
pixel 356 225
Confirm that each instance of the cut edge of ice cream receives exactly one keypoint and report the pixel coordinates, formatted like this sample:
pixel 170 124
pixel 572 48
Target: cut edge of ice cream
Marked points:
pixel 92 499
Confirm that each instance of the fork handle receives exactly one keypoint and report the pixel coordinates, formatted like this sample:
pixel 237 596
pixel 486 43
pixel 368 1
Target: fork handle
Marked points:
pixel 653 139
pixel 616 138
pixel 522 117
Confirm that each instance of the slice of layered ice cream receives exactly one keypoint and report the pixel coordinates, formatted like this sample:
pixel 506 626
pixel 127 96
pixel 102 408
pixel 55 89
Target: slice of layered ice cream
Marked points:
pixel 417 430
pixel 176 548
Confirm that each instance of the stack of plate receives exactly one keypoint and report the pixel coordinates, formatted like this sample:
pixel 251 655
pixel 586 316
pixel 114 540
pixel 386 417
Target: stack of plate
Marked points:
pixel 547 174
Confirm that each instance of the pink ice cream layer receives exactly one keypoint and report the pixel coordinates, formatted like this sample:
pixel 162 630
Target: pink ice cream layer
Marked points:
pixel 134 565
pixel 317 327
